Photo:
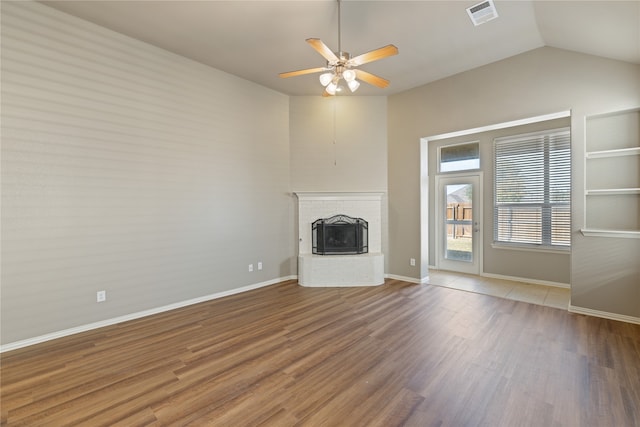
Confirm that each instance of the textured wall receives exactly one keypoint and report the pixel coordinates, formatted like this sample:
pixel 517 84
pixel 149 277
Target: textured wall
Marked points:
pixel 132 170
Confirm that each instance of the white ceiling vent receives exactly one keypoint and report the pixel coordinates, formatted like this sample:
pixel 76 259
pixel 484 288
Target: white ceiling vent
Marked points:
pixel 482 12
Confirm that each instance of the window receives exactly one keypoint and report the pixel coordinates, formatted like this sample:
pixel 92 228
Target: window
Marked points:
pixel 460 157
pixel 532 189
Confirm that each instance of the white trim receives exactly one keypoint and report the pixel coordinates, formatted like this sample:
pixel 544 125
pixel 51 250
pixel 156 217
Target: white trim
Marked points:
pixel 523 247
pixel 604 314
pixel 422 281
pixel 424 211
pixel 612 191
pixel 527 280
pixel 613 113
pixel 108 322
pixel 502 125
pixel 332 195
pixel 619 152
pixel 596 232
pixel 477 203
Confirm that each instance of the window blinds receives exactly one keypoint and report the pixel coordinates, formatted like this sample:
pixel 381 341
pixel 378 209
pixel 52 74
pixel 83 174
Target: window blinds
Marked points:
pixel 532 189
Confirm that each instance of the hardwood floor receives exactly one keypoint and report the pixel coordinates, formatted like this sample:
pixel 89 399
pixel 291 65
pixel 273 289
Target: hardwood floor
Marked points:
pixel 396 355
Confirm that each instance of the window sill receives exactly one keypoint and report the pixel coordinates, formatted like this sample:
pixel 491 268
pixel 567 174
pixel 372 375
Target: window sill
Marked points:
pixel 566 251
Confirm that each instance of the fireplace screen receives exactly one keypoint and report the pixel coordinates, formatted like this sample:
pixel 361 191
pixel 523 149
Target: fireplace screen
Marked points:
pixel 340 235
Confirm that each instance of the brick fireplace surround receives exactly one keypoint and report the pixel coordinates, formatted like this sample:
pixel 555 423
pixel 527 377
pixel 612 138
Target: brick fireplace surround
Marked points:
pixel 340 270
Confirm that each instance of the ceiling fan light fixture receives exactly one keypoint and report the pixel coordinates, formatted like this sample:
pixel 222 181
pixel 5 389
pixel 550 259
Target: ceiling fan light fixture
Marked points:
pixel 326 78
pixel 349 75
pixel 339 64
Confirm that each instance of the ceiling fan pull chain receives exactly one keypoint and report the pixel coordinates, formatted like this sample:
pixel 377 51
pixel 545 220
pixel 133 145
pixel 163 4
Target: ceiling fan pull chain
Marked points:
pixel 335 133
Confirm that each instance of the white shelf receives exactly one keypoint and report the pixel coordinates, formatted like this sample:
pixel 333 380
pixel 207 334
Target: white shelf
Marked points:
pixel 612 191
pixel 612 184
pixel 635 151
pixel 599 232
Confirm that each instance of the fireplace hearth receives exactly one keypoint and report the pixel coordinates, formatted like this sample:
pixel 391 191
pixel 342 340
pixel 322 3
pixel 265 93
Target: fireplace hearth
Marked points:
pixel 340 235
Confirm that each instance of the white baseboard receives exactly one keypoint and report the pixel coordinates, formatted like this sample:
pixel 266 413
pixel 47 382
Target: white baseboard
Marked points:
pixel 526 280
pixel 108 322
pixel 604 314
pixel 408 279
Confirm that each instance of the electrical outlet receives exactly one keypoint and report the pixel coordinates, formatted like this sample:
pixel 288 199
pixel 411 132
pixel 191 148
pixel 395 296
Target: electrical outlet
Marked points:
pixel 259 265
pixel 412 262
pixel 101 296
pixel 250 267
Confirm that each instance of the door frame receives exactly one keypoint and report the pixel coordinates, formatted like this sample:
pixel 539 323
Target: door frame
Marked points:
pixel 477 266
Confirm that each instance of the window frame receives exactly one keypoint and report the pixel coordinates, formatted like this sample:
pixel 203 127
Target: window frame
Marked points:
pixel 547 205
pixel 439 157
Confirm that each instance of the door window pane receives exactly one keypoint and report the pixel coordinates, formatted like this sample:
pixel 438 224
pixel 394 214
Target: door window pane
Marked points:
pixel 459 222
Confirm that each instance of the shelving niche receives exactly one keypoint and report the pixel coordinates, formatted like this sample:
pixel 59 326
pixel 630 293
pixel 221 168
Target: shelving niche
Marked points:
pixel 612 175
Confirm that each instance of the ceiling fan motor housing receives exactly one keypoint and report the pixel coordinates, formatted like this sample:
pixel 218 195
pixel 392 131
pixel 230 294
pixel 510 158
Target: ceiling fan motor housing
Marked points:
pixel 343 58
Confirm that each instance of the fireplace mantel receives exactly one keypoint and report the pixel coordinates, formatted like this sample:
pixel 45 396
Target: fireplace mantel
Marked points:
pixel 338 270
pixel 323 195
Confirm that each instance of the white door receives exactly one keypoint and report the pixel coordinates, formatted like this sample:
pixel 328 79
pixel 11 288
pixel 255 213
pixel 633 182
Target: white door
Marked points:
pixel 458 222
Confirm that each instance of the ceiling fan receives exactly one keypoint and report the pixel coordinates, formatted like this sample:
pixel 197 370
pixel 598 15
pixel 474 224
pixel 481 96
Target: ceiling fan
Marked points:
pixel 340 65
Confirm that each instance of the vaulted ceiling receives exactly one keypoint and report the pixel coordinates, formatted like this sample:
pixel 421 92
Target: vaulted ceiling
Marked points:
pixel 256 40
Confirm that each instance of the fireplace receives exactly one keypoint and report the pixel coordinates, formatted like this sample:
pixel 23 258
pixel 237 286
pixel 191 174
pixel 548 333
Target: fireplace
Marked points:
pixel 340 235
pixel 341 249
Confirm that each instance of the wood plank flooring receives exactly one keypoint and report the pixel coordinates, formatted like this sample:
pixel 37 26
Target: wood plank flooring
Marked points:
pixel 396 355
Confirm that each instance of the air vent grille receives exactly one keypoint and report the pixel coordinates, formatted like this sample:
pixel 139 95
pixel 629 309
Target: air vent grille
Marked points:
pixel 482 12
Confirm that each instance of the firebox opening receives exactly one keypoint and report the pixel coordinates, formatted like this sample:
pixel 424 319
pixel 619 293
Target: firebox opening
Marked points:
pixel 340 235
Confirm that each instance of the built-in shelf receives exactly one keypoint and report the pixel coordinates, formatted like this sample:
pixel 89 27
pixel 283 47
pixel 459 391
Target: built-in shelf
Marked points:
pixel 612 184
pixel 634 151
pixel 612 191
pixel 595 232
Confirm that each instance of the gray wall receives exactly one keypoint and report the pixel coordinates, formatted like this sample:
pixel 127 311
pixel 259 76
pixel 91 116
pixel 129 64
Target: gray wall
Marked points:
pixel 338 143
pixel 539 82
pixel 536 265
pixel 132 170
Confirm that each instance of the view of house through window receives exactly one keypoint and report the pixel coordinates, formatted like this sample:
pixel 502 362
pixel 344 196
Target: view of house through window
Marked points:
pixel 532 187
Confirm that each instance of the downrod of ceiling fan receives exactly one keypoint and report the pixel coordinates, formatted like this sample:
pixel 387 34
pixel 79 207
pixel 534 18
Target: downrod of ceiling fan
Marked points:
pixel 339 35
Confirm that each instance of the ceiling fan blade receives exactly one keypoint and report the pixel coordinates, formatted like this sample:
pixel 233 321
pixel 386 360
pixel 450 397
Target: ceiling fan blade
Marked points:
pixel 372 79
pixel 374 55
pixel 302 72
pixel 323 50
